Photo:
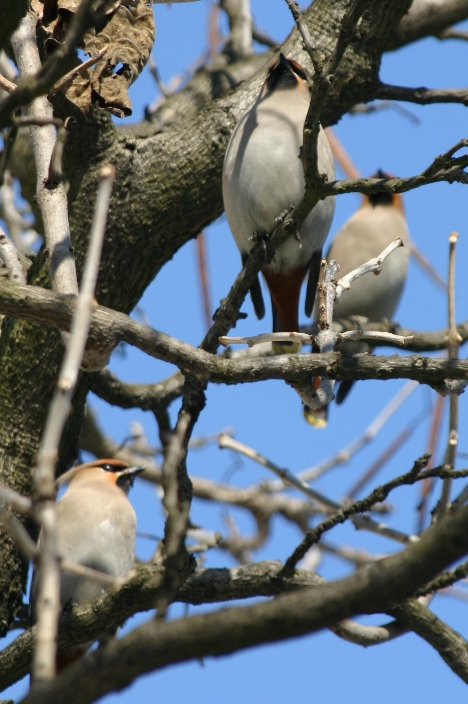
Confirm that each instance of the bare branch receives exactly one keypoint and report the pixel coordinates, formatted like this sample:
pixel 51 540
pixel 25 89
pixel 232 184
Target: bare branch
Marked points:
pixel 344 456
pixel 7 85
pixel 422 96
pixel 48 584
pixel 17 531
pixel 453 342
pixel 373 265
pixel 155 644
pixel 449 644
pixel 9 258
pixel 240 25
pixel 428 17
pixel 110 327
pixel 52 201
pixel 445 167
pixel 343 513
pixel 453 34
pixel 65 80
pixel 46 75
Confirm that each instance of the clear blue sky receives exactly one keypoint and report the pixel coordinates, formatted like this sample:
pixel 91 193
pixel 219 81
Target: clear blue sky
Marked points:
pixel 268 416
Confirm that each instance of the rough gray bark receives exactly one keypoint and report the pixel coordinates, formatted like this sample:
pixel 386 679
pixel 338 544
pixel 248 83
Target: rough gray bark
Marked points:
pixel 168 188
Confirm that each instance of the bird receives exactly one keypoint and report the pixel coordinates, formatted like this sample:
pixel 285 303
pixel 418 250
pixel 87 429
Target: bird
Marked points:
pixel 262 178
pixel 96 528
pixel 379 220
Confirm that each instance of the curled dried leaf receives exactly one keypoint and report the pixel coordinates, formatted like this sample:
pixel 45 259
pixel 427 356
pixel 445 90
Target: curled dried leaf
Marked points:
pixel 124 29
pixel 128 36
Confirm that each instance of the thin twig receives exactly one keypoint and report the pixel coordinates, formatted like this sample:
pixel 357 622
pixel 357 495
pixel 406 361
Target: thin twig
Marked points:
pixel 108 580
pixel 342 156
pixel 204 276
pixel 178 493
pixel 37 120
pixel 396 444
pixel 261 37
pixel 7 85
pixel 373 265
pixel 344 455
pixel 446 579
pixel 17 532
pixel 332 290
pixel 422 96
pixel 156 75
pixel 445 167
pixel 379 494
pixel 48 604
pixel 453 34
pixel 16 501
pixel 360 522
pixel 63 82
pixel 453 342
pixel 426 266
pixel 9 258
pixel 434 434
pixel 366 109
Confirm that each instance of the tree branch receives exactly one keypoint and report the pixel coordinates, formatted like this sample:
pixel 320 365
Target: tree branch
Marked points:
pixel 155 645
pixel 110 327
pixel 422 96
pixel 450 645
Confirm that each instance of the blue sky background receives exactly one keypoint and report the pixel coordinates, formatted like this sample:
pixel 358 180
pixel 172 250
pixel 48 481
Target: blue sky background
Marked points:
pixel 268 416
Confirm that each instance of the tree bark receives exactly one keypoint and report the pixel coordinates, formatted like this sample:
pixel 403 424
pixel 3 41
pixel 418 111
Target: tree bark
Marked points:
pixel 168 187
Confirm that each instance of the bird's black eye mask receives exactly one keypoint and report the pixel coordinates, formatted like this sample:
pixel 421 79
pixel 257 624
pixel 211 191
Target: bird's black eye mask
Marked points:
pixel 111 467
pixel 297 68
pixel 284 74
pixel 381 198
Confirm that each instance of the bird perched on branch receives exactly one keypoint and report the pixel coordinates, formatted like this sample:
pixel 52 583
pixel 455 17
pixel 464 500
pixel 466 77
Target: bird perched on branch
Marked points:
pixel 262 177
pixel 96 529
pixel 379 221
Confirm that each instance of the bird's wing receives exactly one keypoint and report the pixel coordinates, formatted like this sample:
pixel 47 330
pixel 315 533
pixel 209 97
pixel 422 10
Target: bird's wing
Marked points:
pixel 314 271
pixel 343 390
pixel 256 293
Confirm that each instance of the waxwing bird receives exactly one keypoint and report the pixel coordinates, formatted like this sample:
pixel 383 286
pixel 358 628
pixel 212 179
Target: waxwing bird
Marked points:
pixel 262 177
pixel 378 222
pixel 96 528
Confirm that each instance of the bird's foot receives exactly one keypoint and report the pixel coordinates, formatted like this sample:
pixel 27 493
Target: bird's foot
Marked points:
pixel 297 237
pixel 261 237
pixel 69 605
pixel 282 216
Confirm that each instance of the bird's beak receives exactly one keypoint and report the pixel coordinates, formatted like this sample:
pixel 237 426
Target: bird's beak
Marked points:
pixel 131 471
pixel 127 476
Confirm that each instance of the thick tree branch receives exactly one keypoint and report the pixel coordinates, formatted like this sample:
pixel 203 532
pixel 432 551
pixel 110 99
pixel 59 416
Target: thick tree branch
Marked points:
pixel 156 173
pixel 426 18
pixel 110 327
pixel 155 645
pixel 140 594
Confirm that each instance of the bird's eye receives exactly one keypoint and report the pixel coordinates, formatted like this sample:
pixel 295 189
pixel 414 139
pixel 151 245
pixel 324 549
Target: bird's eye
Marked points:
pixel 108 467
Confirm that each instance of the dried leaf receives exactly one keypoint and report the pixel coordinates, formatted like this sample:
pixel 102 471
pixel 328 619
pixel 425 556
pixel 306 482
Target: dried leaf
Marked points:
pixel 128 36
pixel 125 29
